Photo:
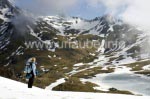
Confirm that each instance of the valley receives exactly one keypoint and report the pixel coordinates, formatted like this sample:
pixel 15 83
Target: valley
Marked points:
pixel 119 63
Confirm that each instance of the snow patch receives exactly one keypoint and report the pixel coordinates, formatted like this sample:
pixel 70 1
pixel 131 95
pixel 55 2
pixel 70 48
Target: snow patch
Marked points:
pixel 147 67
pixel 58 82
pixel 79 64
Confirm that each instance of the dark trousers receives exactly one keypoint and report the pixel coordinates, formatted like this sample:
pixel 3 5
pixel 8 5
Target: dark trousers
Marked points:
pixel 31 81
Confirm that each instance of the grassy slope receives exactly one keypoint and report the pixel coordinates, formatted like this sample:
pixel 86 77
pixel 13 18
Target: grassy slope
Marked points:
pixel 58 66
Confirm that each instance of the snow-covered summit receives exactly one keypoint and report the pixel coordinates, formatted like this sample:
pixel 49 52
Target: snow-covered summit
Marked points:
pixel 67 25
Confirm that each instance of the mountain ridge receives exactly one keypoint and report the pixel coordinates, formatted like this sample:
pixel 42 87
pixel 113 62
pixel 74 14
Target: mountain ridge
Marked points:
pixel 72 63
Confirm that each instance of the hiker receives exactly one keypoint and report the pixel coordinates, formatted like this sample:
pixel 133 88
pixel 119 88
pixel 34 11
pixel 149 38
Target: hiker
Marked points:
pixel 30 71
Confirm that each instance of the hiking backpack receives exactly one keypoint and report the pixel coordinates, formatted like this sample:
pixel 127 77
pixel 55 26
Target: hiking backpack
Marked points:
pixel 28 67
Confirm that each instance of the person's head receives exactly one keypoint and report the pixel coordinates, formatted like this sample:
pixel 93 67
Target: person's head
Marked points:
pixel 33 59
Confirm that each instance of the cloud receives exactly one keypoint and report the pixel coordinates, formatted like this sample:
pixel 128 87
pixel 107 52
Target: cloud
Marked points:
pixel 112 7
pixel 135 12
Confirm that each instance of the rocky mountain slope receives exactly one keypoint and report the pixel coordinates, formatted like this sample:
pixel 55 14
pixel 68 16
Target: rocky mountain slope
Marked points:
pixel 121 46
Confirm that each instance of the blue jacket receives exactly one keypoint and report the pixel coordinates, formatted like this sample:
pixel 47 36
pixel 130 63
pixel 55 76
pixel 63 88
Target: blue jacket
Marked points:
pixel 30 66
pixel 34 68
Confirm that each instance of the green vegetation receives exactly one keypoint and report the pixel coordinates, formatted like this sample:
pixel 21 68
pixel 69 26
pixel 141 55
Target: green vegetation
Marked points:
pixel 137 66
pixel 74 84
pixel 1 21
pixel 89 37
pixel 6 72
pixel 59 63
pixel 146 72
pixel 91 72
pixel 116 91
pixel 68 59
